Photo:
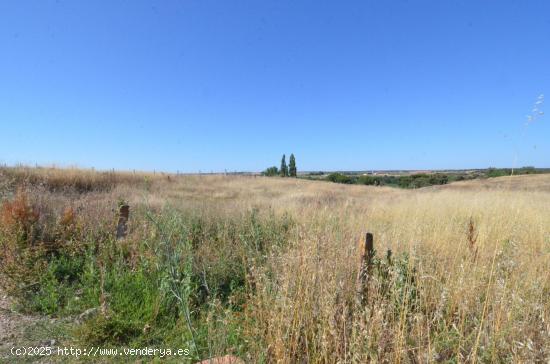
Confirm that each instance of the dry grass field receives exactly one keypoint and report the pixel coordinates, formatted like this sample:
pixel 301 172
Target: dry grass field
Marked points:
pixel 265 268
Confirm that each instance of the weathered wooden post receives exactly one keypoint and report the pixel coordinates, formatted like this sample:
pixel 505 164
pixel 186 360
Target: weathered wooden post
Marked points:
pixel 123 216
pixel 366 255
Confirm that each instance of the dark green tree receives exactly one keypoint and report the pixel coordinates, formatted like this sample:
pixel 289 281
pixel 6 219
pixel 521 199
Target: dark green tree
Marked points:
pixel 284 167
pixel 292 166
pixel 271 171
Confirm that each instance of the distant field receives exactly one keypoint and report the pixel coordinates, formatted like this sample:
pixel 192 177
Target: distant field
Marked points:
pixel 418 179
pixel 265 268
pixel 533 182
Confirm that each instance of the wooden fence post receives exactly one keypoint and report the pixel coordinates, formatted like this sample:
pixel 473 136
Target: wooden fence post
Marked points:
pixel 366 255
pixel 124 215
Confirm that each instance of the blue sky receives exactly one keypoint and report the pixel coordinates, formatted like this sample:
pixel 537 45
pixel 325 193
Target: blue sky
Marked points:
pixel 214 85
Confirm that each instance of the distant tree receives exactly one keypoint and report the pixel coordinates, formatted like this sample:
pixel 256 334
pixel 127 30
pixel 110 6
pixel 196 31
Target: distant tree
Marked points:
pixel 284 168
pixel 339 178
pixel 498 172
pixel 271 171
pixel 367 180
pixel 292 166
pixel 527 170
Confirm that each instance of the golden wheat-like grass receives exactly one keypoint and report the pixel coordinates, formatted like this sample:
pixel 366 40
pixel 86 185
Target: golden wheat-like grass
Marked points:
pixel 479 252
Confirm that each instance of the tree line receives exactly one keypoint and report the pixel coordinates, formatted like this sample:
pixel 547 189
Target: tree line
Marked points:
pixel 412 181
pixel 419 180
pixel 285 170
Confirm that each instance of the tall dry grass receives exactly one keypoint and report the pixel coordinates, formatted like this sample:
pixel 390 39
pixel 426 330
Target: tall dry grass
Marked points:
pixel 489 306
pixel 479 254
pixel 71 179
pixel 469 278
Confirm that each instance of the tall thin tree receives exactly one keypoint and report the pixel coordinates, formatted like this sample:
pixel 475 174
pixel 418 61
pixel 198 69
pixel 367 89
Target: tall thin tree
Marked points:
pixel 284 167
pixel 292 166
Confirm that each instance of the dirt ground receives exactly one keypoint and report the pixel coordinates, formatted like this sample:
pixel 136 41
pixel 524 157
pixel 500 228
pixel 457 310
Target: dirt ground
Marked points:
pixel 18 330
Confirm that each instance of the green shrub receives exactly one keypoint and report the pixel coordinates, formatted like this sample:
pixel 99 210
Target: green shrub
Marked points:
pixel 169 284
pixel 56 286
pixel 339 178
pixel 499 172
pixel 271 171
pixel 397 282
pixel 368 180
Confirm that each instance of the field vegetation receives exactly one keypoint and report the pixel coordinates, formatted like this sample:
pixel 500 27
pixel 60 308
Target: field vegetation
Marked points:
pixel 418 180
pixel 265 268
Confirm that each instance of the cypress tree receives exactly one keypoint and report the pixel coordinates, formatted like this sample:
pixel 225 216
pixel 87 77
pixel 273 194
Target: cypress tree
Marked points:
pixel 292 166
pixel 284 168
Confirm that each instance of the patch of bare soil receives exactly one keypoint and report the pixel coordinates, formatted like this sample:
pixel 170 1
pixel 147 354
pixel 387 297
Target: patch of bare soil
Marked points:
pixel 18 330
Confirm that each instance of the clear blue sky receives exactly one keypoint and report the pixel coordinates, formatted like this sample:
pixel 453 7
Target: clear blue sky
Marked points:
pixel 211 85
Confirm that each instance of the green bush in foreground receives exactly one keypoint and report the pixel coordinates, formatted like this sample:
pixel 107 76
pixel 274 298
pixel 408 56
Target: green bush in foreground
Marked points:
pixel 183 282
